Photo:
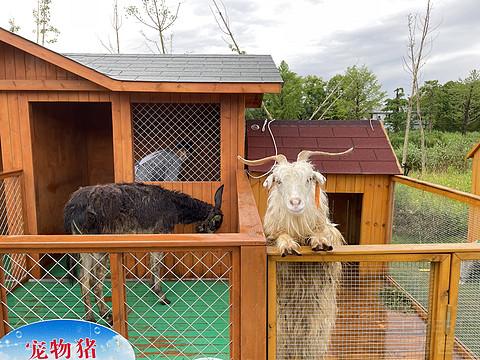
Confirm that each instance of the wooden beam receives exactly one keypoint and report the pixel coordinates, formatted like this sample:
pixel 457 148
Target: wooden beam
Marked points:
pixel 253 303
pixel 121 243
pixel 248 217
pixel 49 85
pixel 10 173
pixel 183 87
pixel 253 100
pixel 385 249
pixel 439 190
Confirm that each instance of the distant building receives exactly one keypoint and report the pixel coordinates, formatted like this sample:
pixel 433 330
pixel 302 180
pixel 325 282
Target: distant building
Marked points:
pixel 380 114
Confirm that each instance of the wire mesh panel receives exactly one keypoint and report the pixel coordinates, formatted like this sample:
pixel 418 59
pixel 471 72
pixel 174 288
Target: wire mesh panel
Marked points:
pixel 179 305
pixel 11 208
pixel 421 217
pixel 467 328
pixel 176 142
pixel 57 293
pixel 377 310
pixel 11 223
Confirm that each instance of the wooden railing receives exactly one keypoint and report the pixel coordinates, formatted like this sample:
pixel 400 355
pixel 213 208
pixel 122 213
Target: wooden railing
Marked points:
pixel 246 261
pixel 360 297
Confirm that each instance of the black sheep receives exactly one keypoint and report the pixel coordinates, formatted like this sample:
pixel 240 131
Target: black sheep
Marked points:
pixel 132 208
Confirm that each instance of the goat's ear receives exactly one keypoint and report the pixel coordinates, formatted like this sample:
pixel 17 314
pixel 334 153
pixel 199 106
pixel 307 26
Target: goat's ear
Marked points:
pixel 218 197
pixel 268 181
pixel 319 178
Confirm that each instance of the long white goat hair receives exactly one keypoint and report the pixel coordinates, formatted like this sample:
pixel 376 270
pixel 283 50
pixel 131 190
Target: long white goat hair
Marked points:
pixel 279 220
pixel 306 291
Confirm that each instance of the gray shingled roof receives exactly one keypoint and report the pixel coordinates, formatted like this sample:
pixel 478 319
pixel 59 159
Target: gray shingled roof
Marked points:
pixel 183 68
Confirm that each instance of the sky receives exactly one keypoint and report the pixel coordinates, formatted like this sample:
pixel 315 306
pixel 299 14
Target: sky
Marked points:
pixel 319 37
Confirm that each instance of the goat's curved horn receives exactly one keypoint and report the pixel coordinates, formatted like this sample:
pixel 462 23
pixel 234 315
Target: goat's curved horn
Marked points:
pixel 280 158
pixel 305 154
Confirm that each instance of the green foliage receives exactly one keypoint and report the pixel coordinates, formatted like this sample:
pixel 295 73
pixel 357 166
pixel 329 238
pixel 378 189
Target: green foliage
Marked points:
pixel 361 93
pixel 444 150
pixel 453 106
pixel 395 299
pixel 46 33
pixel 397 106
pixel 352 96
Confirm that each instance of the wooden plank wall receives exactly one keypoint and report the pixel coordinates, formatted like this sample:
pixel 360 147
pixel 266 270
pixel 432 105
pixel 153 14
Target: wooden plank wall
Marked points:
pixel 474 214
pixel 377 205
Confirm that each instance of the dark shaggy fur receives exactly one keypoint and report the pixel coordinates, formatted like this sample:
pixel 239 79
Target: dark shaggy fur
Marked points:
pixel 136 208
pixel 132 208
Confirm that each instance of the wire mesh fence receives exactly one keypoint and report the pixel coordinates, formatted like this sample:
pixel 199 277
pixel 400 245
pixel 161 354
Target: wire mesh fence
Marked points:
pixel 11 207
pixel 421 217
pixel 176 142
pixel 468 310
pixel 380 311
pixel 178 304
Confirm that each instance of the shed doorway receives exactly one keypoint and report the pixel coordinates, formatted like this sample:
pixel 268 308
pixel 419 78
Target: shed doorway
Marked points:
pixel 346 211
pixel 72 146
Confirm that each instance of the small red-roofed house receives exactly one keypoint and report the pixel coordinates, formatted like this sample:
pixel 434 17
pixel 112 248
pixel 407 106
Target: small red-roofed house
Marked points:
pixel 359 184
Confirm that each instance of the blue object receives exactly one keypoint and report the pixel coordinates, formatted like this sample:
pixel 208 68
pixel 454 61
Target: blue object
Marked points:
pixel 65 339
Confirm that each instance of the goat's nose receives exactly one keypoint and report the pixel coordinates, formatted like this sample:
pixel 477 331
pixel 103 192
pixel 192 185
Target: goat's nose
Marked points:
pixel 295 201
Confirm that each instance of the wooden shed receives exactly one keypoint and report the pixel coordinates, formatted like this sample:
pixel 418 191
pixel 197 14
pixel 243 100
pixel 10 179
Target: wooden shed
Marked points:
pixel 359 184
pixel 474 216
pixel 80 119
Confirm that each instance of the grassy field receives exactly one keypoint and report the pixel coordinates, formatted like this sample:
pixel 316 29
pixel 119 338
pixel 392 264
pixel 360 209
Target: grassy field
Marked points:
pixel 451 178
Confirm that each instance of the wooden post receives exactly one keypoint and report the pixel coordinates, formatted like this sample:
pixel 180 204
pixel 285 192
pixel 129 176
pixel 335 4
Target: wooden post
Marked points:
pixel 272 309
pixel 452 305
pixel 235 282
pixel 4 327
pixel 253 263
pixel 438 308
pixel 119 303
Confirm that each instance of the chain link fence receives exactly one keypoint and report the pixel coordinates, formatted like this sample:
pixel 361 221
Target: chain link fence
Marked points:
pixel 176 142
pixel 196 323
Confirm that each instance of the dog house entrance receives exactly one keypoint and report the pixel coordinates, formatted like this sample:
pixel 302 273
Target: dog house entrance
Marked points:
pixel 346 210
pixel 72 146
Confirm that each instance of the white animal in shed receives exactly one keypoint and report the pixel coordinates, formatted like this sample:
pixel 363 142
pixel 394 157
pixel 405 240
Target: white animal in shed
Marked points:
pixel 163 165
pixel 306 291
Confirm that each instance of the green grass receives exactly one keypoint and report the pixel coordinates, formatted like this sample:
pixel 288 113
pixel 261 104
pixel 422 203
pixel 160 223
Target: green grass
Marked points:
pixel 452 178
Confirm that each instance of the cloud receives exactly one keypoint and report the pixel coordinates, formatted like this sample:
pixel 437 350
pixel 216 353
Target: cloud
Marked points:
pixel 382 46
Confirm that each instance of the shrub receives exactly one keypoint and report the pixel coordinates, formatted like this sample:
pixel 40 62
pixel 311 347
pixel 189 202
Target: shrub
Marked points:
pixel 444 150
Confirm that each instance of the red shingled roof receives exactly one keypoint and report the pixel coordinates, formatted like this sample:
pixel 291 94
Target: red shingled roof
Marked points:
pixel 372 152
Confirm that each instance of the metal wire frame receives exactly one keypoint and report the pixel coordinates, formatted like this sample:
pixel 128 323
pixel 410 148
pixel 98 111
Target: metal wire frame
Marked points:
pixel 463 341
pixel 176 142
pixel 382 313
pixel 198 322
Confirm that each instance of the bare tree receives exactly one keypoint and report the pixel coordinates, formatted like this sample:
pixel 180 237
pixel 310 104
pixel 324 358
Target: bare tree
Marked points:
pixel 42 19
pixel 116 22
pixel 220 14
pixel 415 60
pixel 12 26
pixel 155 15
pixel 221 18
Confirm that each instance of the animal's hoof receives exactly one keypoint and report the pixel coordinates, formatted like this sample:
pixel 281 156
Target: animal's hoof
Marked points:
pixel 165 301
pixel 322 247
pixel 291 252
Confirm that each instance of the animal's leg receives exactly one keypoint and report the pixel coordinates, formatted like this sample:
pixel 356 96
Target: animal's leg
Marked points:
pixel 99 271
pixel 326 239
pixel 155 265
pixel 86 266
pixel 287 245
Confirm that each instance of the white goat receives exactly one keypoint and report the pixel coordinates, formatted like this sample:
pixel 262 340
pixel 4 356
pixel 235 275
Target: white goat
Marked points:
pixel 306 291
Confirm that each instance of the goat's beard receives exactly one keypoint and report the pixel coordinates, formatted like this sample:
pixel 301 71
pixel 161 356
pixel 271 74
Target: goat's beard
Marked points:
pixel 278 219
